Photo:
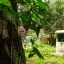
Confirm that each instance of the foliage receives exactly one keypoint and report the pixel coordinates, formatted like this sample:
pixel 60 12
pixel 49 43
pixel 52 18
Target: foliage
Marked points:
pixel 29 11
pixel 31 14
pixel 56 20
pixel 48 53
pixel 7 2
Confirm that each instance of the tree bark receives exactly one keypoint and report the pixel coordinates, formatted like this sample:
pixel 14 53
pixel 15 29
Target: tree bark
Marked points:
pixel 4 57
pixel 11 49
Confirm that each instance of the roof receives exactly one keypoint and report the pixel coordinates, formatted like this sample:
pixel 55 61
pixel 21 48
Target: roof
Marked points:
pixel 59 31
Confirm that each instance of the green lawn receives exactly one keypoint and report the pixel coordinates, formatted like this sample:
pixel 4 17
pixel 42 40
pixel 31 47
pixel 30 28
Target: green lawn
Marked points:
pixel 46 51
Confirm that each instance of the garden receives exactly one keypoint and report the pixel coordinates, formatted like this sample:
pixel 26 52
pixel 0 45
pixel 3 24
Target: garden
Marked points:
pixel 31 31
pixel 48 52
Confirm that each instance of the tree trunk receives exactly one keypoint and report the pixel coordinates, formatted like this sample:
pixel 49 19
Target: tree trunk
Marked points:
pixel 4 57
pixel 11 50
pixel 18 54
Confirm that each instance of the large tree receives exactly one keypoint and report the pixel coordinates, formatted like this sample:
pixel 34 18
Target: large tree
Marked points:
pixel 17 16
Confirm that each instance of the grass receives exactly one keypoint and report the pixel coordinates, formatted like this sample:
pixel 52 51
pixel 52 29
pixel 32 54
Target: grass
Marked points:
pixel 46 51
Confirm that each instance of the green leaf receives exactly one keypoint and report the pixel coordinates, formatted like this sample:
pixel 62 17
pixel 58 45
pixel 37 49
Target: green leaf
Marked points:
pixel 5 2
pixel 14 15
pixel 35 51
pixel 9 13
pixel 36 18
pixel 25 19
pixel 41 5
pixel 31 54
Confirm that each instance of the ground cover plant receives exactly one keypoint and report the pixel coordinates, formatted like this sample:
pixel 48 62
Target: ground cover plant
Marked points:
pixel 48 52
